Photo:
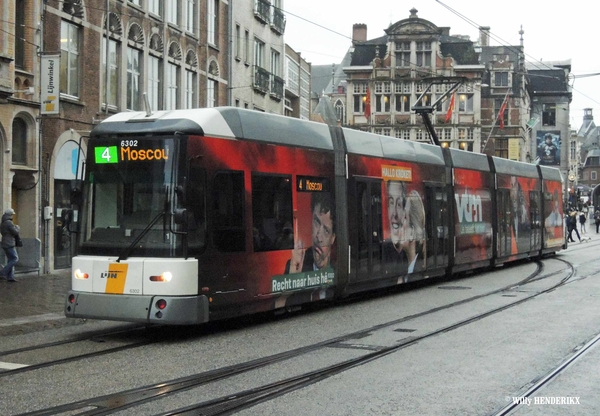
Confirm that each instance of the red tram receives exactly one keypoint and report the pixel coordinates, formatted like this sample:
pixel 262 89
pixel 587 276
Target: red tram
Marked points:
pixel 188 216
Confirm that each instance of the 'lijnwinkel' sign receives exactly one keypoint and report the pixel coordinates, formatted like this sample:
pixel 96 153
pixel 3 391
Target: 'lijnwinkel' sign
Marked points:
pixel 50 84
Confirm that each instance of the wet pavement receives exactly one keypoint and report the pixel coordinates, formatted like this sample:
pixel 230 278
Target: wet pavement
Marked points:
pixel 33 302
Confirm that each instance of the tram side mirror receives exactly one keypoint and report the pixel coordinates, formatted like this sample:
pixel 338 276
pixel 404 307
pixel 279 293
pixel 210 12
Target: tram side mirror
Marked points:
pixel 180 216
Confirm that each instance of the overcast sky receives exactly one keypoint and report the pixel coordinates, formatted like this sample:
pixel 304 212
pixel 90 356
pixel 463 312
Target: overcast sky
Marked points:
pixel 322 29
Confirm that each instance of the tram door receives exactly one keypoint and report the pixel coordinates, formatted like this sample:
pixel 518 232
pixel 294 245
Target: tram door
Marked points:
pixel 535 220
pixel 436 215
pixel 369 229
pixel 504 215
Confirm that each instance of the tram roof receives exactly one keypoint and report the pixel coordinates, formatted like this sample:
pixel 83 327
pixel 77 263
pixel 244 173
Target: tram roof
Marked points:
pixel 228 122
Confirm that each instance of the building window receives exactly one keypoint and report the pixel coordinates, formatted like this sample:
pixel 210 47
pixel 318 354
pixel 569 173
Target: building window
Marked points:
pixel 549 114
pixel 172 81
pixel 340 112
pixel 172 11
pixel 211 93
pixel 247 47
pixel 501 79
pixel 360 96
pixel 133 79
pixel 69 59
pixel 213 23
pixel 293 76
pixel 191 16
pixel 190 89
pixel 154 7
pixel 212 85
pixel 259 52
pixel 154 78
pixel 593 175
pixel 112 83
pixel 465 103
pixel 382 97
pixel 423 54
pixel 20 34
pixel 497 105
pixel 402 103
pixel 403 54
pixel 19 142
pixel 501 147
pixel 304 94
pixel 275 63
pixel 238 42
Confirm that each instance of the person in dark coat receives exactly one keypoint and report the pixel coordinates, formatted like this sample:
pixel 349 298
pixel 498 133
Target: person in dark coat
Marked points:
pixel 572 226
pixel 10 239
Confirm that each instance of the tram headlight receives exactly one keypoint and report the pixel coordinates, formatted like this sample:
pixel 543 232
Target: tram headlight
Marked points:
pixel 163 277
pixel 80 275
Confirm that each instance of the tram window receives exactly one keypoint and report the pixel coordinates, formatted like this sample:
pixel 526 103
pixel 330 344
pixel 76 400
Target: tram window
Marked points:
pixel 228 212
pixel 272 212
pixel 196 204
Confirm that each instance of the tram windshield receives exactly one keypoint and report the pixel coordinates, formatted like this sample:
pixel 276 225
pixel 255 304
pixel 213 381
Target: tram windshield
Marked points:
pixel 130 194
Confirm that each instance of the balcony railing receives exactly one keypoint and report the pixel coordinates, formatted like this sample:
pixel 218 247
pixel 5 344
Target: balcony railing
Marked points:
pixel 278 21
pixel 261 79
pixel 276 87
pixel 262 9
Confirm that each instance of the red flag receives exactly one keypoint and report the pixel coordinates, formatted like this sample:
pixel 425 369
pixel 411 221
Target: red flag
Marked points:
pixel 450 109
pixel 368 104
pixel 502 110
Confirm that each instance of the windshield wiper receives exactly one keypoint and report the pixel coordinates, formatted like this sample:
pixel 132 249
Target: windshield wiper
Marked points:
pixel 125 254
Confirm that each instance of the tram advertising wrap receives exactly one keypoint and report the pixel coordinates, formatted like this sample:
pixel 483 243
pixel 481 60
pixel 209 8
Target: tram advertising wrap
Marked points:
pixel 189 216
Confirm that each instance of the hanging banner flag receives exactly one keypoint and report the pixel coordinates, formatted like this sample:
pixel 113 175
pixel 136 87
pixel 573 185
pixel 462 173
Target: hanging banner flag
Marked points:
pixel 368 104
pixel 49 83
pixel 450 108
pixel 502 110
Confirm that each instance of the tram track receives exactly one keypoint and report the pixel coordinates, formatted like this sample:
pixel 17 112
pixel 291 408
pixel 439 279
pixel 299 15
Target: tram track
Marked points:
pixel 99 335
pixel 230 403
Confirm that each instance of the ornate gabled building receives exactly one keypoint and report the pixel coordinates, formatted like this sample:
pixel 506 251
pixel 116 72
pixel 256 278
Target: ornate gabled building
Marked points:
pixel 387 76
pixel 490 111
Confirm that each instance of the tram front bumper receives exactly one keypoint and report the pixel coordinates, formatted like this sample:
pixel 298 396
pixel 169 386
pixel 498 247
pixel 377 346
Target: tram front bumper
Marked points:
pixel 170 310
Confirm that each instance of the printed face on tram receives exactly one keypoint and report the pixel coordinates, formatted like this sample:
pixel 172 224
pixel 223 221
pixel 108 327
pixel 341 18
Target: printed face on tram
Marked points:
pixel 397 212
pixel 323 236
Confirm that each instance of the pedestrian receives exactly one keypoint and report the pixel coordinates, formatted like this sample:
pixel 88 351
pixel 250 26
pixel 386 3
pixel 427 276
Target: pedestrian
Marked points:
pixel 597 220
pixel 572 226
pixel 10 241
pixel 582 218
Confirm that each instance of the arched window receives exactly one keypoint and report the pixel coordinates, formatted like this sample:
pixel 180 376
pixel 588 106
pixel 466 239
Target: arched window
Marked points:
pixel 212 85
pixel 19 142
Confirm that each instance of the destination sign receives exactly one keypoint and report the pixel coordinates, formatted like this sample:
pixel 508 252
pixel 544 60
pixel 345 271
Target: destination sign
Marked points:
pixel 311 184
pixel 116 154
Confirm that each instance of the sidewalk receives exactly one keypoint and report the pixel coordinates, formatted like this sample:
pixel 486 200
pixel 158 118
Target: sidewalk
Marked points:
pixel 34 301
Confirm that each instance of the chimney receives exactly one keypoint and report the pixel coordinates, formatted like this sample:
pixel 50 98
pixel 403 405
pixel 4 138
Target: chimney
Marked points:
pixel 484 36
pixel 359 33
